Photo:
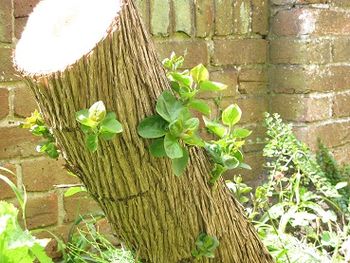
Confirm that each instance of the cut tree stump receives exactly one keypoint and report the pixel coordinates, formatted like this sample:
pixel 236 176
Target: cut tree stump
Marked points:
pixel 76 52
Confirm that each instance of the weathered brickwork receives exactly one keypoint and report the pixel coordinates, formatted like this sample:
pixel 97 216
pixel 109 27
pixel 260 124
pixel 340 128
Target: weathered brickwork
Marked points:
pixel 297 65
pixel 309 71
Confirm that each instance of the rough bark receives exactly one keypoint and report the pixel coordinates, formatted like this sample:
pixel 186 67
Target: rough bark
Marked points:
pixel 151 210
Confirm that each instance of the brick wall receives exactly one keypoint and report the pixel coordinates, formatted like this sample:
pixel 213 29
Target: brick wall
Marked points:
pixel 309 71
pixel 304 77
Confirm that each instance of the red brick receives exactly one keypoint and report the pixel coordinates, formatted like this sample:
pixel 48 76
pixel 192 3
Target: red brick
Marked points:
pixel 223 17
pixel 255 142
pixel 24 7
pixel 253 81
pixel 311 1
pixel 42 174
pixel 226 76
pixel 287 51
pixel 282 2
pixel 5 190
pixel 104 228
pixel 295 79
pixel 341 3
pixel 342 154
pixel 4 103
pixel 79 204
pixel 252 177
pixel 204 17
pixel 306 79
pixel 240 52
pixel 17 142
pixel 341 105
pixel 253 75
pixel 7 71
pixel 341 51
pixel 42 211
pixel 260 17
pixel 6 21
pixel 252 88
pixel 24 101
pixel 300 108
pixel 196 52
pixel 333 22
pixel 332 134
pixel 20 23
pixel 242 17
pixel 295 22
pixel 252 108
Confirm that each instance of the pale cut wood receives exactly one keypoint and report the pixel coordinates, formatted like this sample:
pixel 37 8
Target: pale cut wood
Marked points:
pixel 152 211
pixel 58 33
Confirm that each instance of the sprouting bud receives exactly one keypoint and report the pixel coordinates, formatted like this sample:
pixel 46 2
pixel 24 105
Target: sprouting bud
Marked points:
pixel 97 111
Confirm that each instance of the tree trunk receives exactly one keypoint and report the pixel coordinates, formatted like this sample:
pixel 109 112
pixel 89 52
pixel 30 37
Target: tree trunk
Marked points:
pixel 152 211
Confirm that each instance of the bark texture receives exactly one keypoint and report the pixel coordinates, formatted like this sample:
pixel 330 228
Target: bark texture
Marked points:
pixel 151 210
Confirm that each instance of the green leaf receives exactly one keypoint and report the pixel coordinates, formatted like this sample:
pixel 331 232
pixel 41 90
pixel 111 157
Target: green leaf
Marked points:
pixel 241 133
pixel 176 128
pixel 152 127
pixel 111 125
pixel 181 78
pixel 97 111
pixel 187 93
pixel 74 190
pixel 211 86
pixel 200 73
pixel 40 253
pixel 341 185
pixel 200 106
pixel 231 115
pixel 179 164
pixel 110 115
pixel 39 130
pixel 107 135
pixel 21 197
pixel 245 166
pixel 194 140
pixel 157 148
pixel 192 124
pixel 168 106
pixel 215 127
pixel 230 162
pixel 51 150
pixel 172 147
pixel 91 142
pixel 83 118
pixel 175 86
pixel 85 129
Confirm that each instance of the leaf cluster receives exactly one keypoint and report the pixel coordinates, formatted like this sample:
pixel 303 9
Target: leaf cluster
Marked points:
pixel 296 211
pixel 36 125
pixel 205 246
pixel 17 244
pixel 226 151
pixel 97 123
pixel 174 127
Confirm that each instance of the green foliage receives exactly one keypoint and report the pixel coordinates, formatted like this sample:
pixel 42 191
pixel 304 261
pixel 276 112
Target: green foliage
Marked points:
pixel 73 190
pixel 239 189
pixel 338 175
pixel 36 125
pixel 205 246
pixel 174 127
pixel 226 151
pixel 295 211
pixel 87 244
pixel 16 244
pixel 96 123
